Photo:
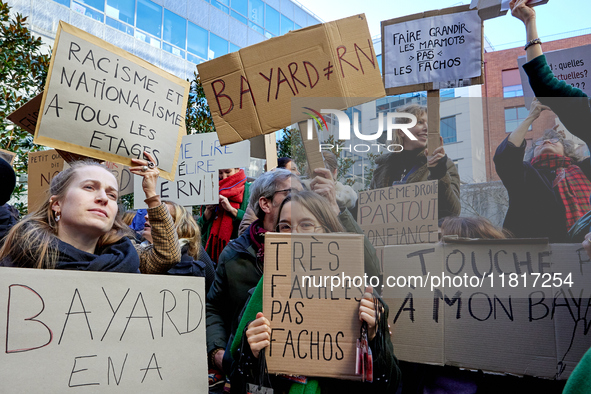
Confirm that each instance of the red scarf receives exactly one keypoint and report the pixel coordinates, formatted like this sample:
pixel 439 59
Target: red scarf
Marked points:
pixel 222 227
pixel 573 185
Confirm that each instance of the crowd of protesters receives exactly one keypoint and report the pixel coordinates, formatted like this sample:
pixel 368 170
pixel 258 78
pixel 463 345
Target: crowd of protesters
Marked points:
pixel 79 227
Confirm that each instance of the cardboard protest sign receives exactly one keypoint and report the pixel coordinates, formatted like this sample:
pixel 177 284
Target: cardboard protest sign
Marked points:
pixel 7 156
pixel 249 91
pixel 400 215
pixel 103 102
pixel 513 306
pixel 314 157
pixel 570 65
pixel 124 177
pixel 196 181
pixel 27 115
pixel 101 332
pixel 314 321
pixel 43 166
pixel 432 50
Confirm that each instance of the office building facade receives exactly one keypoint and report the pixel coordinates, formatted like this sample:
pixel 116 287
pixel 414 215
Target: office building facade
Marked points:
pixel 174 35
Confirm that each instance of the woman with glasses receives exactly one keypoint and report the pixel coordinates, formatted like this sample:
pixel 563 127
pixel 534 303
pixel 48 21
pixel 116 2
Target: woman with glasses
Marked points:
pixel 549 192
pixel 309 213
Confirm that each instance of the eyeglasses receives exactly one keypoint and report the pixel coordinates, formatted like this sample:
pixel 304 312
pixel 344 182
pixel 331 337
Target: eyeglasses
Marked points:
pixel 302 227
pixel 551 140
pixel 286 191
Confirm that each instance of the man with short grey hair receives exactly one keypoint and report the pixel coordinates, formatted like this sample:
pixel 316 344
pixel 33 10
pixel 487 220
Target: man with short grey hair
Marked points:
pixel 240 265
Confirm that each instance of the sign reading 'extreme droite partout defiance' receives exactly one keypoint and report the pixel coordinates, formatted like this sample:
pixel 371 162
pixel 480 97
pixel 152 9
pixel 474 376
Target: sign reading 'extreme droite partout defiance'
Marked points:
pixel 103 102
pixel 400 215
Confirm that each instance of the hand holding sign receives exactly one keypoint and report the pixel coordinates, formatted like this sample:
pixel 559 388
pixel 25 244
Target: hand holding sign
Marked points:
pixel 259 334
pixel 438 154
pixel 324 185
pixel 536 109
pixel 367 312
pixel 149 172
pixel 522 11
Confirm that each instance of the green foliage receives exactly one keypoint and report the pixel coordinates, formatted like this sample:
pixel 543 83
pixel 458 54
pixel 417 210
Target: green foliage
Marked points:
pixel 23 69
pixel 344 163
pixel 198 119
pixel 291 145
pixel 370 169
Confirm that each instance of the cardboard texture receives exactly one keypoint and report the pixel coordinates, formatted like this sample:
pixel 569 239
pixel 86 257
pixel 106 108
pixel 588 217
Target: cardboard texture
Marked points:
pixel 572 65
pixel 249 92
pixel 103 102
pixel 432 50
pixel 314 157
pixel 314 330
pixel 399 215
pixel 434 120
pixel 529 323
pixel 270 150
pixel 101 332
pixel 7 156
pixel 124 177
pixel 196 180
pixel 43 166
pixel 27 115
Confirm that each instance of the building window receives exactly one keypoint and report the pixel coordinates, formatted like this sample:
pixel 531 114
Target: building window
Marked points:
pixel 98 4
pixel 197 42
pixel 63 2
pixel 256 12
pixel 175 29
pixel 512 83
pixel 217 46
pixel 447 94
pixel 240 6
pixel 234 48
pixel 123 10
pixel 513 117
pixel 149 18
pixel 239 17
pixel 286 24
pixel 220 5
pixel 448 129
pixel 272 21
pixel 87 10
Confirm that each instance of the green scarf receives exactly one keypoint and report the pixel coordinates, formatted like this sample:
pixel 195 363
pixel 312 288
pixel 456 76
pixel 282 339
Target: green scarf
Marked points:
pixel 254 306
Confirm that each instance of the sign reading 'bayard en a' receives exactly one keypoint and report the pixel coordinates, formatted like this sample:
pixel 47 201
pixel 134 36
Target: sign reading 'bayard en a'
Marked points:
pixel 103 102
pixel 432 50
pixel 250 91
pixel 101 332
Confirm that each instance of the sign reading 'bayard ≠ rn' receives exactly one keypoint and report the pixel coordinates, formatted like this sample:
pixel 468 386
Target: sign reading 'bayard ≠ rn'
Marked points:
pixel 103 102
pixel 250 91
